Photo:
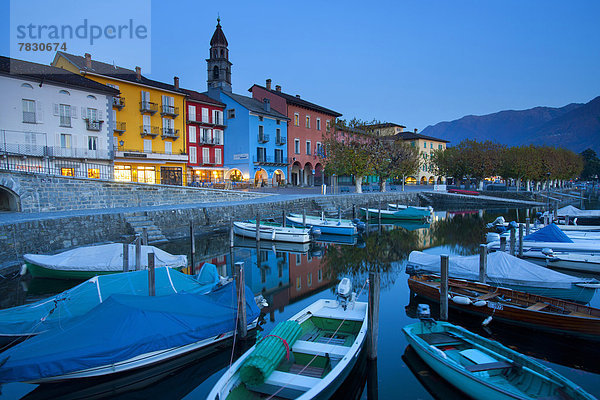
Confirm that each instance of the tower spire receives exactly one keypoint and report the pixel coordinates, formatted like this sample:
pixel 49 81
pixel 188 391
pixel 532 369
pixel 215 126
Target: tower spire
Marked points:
pixel 219 67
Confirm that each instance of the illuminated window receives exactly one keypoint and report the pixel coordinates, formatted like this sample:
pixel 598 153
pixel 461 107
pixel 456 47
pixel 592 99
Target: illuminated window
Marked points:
pixel 296 119
pixel 122 173
pixel 146 174
pixel 67 171
pixel 94 173
pixel 298 283
pixel 308 121
pixel 320 275
pixel 309 279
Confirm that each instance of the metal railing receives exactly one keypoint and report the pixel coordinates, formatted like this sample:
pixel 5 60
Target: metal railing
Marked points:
pixel 59 167
pixel 148 107
pixel 119 127
pixel 92 125
pixel 279 140
pixel 31 150
pixel 126 150
pixel 263 138
pixel 149 130
pixel 210 140
pixel 65 121
pixel 119 102
pixel 29 117
pixel 270 160
pixel 169 110
pixel 170 133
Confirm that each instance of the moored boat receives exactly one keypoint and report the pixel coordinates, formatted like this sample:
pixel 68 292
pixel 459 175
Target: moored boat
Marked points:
pixel 513 307
pixel 272 231
pixel 408 213
pixel 88 261
pixel 332 226
pixel 485 369
pixel 323 343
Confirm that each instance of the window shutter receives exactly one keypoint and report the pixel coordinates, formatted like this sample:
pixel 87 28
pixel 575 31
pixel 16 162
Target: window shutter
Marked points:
pixel 192 134
pixel 171 100
pixel 57 144
pixel 55 108
pixel 74 142
pixel 100 115
pixel 191 113
pixel 83 112
pixel 73 111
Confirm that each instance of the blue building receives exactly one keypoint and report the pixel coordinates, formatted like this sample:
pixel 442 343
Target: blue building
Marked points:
pixel 255 138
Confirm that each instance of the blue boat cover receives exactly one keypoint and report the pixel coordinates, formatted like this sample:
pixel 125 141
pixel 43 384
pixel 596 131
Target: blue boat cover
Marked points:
pixel 122 327
pixel 56 310
pixel 550 233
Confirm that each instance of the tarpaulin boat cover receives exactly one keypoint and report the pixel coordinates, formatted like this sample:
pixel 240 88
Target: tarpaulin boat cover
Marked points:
pixel 502 268
pixel 570 211
pixel 550 233
pixel 56 310
pixel 122 327
pixel 104 257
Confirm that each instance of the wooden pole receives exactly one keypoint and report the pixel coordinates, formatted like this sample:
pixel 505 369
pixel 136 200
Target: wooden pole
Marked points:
pixel 502 243
pixel 339 212
pixel 258 227
pixel 151 275
pixel 520 241
pixel 567 220
pixel 284 222
pixel 444 287
pixel 482 262
pixel 138 253
pixel 125 257
pixel 527 225
pixel 192 247
pixel 373 315
pixel 372 381
pixel 379 213
pixel 353 211
pixel 513 241
pixel 241 296
pixel 231 234
pixel 145 236
pixel 304 217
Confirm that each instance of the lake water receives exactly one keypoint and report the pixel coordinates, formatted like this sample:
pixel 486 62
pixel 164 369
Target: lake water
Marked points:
pixel 291 277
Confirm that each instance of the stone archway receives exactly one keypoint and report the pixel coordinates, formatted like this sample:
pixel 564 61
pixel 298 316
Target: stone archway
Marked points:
pixel 9 200
pixel 261 178
pixel 319 174
pixel 411 180
pixel 423 181
pixel 431 180
pixel 278 177
pixel 308 174
pixel 440 180
pixel 234 175
pixel 296 174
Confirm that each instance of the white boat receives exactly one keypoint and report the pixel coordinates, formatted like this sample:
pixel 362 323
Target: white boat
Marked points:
pixel 508 271
pixel 392 206
pixel 583 262
pixel 332 335
pixel 334 226
pixel 274 232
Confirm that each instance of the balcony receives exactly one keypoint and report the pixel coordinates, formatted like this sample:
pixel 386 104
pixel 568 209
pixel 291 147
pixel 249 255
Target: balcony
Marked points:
pixel 148 107
pixel 269 160
pixel 209 140
pixel 170 133
pixel 119 128
pixel 169 110
pixel 93 125
pixel 29 150
pixel 280 140
pixel 122 152
pixel 29 117
pixel 263 138
pixel 148 130
pixel 118 102
pixel 65 121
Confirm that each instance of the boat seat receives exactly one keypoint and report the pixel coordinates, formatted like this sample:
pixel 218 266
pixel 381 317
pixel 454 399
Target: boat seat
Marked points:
pixel 482 361
pixel 314 348
pixel 488 366
pixel 440 339
pixel 314 372
pixel 292 381
pixel 487 296
pixel 537 306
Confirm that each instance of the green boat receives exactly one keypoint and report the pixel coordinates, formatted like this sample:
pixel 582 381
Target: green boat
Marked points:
pixel 407 213
pixel 485 369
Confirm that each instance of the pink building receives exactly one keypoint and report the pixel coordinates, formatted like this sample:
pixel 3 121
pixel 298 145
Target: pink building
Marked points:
pixel 308 124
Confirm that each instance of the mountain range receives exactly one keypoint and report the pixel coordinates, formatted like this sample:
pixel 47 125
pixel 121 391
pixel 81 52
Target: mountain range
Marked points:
pixel 575 126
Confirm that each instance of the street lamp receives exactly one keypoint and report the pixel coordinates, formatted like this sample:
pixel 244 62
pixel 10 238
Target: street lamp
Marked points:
pixel 548 190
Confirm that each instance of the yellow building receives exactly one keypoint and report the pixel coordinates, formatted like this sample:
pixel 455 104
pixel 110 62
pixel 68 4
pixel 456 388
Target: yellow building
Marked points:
pixel 148 121
pixel 426 146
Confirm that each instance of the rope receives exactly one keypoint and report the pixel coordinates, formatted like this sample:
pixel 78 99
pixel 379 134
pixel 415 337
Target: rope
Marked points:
pixel 285 343
pixel 237 312
pixel 316 355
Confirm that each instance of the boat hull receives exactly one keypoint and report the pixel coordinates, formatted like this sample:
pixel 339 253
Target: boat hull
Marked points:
pixel 564 263
pixel 38 271
pixel 327 227
pixel 404 214
pixel 274 234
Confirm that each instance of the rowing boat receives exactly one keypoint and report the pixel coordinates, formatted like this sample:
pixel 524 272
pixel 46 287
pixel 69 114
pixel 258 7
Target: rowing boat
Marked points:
pixel 273 232
pixel 332 226
pixel 408 213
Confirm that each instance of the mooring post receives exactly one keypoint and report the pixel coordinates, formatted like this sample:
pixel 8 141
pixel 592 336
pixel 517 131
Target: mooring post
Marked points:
pixel 125 257
pixel 567 220
pixel 482 262
pixel 258 227
pixel 138 253
pixel 444 288
pixel 353 211
pixel 373 315
pixel 241 298
pixel 513 241
pixel 502 243
pixel 192 247
pixel 339 212
pixel 520 241
pixel 304 217
pixel 527 226
pixel 379 214
pixel 284 222
pixel 145 236
pixel 231 234
pixel 151 275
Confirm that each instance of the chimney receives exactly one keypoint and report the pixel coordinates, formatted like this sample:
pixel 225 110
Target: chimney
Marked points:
pixel 278 88
pixel 267 104
pixel 176 82
pixel 88 60
pixel 268 84
pixel 138 73
pixel 298 96
pixel 416 130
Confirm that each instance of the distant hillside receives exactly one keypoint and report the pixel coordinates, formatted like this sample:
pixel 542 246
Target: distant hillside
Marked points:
pixel 574 126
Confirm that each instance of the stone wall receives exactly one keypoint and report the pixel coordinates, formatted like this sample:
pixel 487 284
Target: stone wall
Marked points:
pixel 41 193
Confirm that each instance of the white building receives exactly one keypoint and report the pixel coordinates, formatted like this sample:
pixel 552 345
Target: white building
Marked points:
pixel 53 121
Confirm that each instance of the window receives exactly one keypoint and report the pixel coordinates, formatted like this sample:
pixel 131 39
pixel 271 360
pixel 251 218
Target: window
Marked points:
pixel 309 279
pixel 146 174
pixel 147 146
pixel 29 111
pixel 278 122
pixel 193 158
pixel 67 171
pixel 297 146
pixel 308 147
pixel 92 114
pixel 320 275
pixel 261 130
pixel 89 96
pixel 218 136
pixel 205 135
pixel 308 121
pixel 192 134
pixel 319 149
pixel 145 100
pixel 65 115
pixel 93 173
pixel 168 104
pixel 298 283
pixel 296 119
pixel 168 126
pixel 298 259
pixel 92 142
pixel 205 115
pixel 64 92
pixel 318 124
pixel 215 72
pixel 205 155
pixel 440 147
pixel 65 141
pixel 217 117
pixel 122 173
pixel 278 156
pixel 261 154
pixel 168 147
pixel 218 157
pixel 424 145
pixel 26 85
pixel 327 124
pixel 191 113
pixel 231 113
pixel 260 118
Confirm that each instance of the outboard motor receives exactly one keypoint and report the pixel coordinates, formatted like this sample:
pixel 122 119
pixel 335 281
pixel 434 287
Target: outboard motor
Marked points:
pixel 315 231
pixel 548 252
pixel 344 292
pixel 423 311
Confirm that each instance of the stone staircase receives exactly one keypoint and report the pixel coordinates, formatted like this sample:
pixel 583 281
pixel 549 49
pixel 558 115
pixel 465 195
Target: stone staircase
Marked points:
pixel 327 207
pixel 139 220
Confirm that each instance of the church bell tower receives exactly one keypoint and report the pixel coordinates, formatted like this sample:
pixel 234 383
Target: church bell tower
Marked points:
pixel 219 67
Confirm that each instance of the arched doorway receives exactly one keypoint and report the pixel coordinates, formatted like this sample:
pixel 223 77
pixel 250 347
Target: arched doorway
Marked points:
pixel 234 175
pixel 296 174
pixel 440 181
pixel 9 200
pixel 319 174
pixel 278 177
pixel 431 180
pixel 261 178
pixel 411 180
pixel 423 180
pixel 308 174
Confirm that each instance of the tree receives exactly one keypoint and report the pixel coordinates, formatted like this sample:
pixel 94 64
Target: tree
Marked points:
pixel 350 157
pixel 591 165
pixel 393 158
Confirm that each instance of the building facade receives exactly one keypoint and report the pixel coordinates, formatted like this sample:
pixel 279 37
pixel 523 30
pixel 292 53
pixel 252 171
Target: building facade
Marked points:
pixel 426 145
pixel 54 121
pixel 384 129
pixel 308 125
pixel 148 121
pixel 204 139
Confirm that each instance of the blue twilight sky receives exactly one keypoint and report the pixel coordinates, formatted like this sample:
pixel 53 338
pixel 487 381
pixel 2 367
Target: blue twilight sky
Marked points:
pixel 411 62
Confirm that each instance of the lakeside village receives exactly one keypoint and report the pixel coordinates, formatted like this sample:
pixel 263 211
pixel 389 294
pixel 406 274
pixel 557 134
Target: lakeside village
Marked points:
pixel 139 317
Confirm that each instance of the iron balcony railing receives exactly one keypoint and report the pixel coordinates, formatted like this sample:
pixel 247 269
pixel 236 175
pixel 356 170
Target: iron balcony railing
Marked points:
pixel 270 160
pixel 210 140
pixel 263 138
pixel 30 150
pixel 29 117
pixel 197 118
pixel 148 107
pixel 169 110
pixel 119 127
pixel 62 167
pixel 140 151
pixel 170 133
pixel 279 140
pixel 149 130
pixel 119 102
pixel 93 125
pixel 65 121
